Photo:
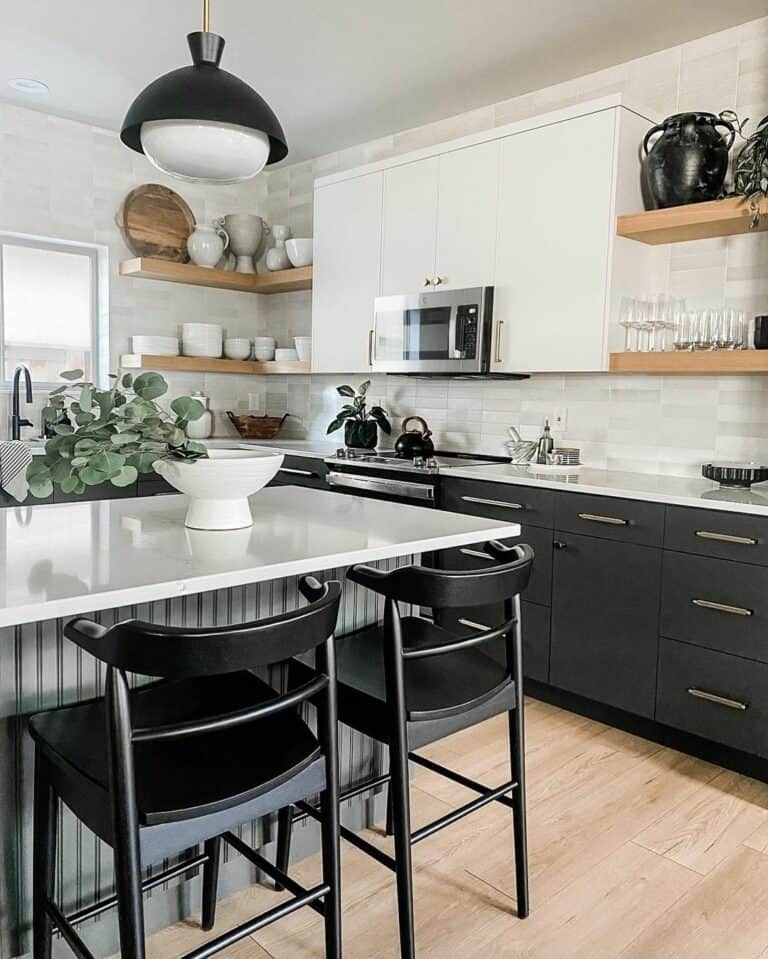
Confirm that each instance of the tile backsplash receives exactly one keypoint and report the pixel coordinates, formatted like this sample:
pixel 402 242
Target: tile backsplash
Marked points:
pixel 66 180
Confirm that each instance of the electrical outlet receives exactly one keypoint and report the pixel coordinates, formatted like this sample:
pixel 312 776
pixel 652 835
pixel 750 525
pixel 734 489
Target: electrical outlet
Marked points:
pixel 559 420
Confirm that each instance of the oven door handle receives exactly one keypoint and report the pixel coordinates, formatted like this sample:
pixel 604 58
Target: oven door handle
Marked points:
pixel 374 484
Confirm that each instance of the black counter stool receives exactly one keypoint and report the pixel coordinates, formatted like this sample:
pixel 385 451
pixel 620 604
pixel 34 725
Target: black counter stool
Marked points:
pixel 166 766
pixel 409 683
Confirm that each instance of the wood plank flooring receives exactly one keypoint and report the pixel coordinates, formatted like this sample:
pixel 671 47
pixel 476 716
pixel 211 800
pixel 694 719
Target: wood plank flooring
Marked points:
pixel 637 852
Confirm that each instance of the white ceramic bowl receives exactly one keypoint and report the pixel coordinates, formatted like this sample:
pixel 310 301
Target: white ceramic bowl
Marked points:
pixel 303 347
pixel 219 487
pixel 264 354
pixel 237 348
pixel 286 356
pixel 264 342
pixel 155 345
pixel 299 251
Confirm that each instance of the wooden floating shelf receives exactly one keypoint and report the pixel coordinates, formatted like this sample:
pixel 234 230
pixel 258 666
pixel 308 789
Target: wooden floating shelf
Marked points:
pixel 697 361
pixel 203 364
pixel 695 221
pixel 282 281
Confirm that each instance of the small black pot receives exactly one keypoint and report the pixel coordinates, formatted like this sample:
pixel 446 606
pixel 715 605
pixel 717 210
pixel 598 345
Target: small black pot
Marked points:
pixel 689 161
pixel 360 435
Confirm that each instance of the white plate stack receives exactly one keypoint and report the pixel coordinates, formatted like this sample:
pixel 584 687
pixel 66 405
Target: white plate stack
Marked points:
pixel 202 339
pixel 155 345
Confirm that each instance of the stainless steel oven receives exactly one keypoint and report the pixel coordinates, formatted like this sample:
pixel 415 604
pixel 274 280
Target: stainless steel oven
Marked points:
pixel 440 332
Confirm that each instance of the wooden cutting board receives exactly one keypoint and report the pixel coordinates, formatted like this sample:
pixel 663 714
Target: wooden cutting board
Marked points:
pixel 156 221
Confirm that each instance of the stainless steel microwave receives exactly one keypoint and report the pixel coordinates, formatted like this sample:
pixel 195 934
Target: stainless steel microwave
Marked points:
pixel 439 333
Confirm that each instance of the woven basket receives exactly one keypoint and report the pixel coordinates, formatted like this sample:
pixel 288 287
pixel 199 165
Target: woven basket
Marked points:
pixel 253 427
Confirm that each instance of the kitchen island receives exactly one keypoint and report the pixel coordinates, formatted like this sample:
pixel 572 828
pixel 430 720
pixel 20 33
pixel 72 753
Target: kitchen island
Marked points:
pixel 118 559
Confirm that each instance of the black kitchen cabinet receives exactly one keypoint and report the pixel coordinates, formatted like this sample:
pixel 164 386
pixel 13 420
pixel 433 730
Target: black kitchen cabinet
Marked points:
pixel 302 471
pixel 605 620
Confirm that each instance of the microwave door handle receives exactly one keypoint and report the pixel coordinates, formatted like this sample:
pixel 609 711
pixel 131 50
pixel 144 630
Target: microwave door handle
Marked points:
pixel 461 337
pixel 453 351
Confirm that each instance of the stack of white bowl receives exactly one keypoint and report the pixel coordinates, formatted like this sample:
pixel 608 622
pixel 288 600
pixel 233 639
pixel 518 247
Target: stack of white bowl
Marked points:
pixel 156 345
pixel 237 348
pixel 202 339
pixel 264 348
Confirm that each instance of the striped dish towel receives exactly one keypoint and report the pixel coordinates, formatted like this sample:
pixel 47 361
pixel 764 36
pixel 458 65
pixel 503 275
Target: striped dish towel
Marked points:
pixel 14 460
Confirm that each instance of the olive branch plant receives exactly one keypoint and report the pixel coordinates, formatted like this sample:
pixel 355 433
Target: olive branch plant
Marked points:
pixel 118 433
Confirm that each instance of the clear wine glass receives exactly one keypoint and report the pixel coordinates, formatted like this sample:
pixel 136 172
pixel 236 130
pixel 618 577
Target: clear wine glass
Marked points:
pixel 702 336
pixel 628 319
pixel 644 325
pixel 720 330
pixel 675 312
pixel 684 329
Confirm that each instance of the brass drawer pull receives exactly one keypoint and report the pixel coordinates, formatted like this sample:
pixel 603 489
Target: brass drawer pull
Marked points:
pixel 476 553
pixel 370 347
pixel 720 700
pixel 722 607
pixel 288 469
pixel 726 538
pixel 608 520
pixel 473 625
pixel 499 327
pixel 492 502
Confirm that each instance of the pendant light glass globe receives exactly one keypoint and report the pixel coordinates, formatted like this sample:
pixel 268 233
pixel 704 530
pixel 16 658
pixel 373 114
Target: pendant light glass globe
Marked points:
pixel 201 123
pixel 198 150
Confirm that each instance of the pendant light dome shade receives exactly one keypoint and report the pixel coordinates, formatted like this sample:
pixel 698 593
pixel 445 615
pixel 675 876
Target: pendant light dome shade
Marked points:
pixel 201 123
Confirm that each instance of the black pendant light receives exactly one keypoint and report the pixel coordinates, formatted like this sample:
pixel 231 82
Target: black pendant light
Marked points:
pixel 201 123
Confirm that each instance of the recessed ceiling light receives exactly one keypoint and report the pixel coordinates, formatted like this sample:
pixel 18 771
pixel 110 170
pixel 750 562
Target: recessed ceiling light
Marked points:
pixel 24 85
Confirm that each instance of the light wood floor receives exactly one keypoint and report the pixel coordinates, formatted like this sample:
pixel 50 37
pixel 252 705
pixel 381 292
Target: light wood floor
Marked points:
pixel 636 852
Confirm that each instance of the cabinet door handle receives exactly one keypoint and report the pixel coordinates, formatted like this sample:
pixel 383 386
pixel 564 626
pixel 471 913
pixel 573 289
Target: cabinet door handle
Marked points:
pixel 726 538
pixel 289 469
pixel 559 544
pixel 499 326
pixel 714 698
pixel 438 281
pixel 722 607
pixel 370 347
pixel 427 281
pixel 476 553
pixel 492 502
pixel 608 520
pixel 473 625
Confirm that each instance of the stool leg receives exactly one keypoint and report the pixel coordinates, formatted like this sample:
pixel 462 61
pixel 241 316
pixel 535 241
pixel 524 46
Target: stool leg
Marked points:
pixel 389 828
pixel 517 763
pixel 212 849
pixel 284 835
pixel 44 860
pixel 327 724
pixel 401 816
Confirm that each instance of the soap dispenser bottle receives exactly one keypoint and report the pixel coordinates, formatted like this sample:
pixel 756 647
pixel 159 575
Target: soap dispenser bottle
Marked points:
pixel 545 446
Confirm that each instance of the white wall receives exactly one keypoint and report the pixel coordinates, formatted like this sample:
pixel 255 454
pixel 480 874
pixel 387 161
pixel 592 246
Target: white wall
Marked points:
pixel 67 180
pixel 671 424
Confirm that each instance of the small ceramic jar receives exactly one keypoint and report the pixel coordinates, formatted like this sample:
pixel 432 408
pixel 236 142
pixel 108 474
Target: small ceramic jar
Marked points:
pixel 203 428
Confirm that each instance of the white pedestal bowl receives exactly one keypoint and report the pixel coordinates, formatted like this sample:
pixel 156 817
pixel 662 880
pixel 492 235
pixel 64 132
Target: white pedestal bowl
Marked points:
pixel 219 486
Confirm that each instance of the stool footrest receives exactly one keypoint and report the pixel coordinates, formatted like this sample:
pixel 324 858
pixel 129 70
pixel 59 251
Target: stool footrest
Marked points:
pixel 352 837
pixel 437 824
pixel 461 780
pixel 67 931
pixel 270 869
pixel 259 922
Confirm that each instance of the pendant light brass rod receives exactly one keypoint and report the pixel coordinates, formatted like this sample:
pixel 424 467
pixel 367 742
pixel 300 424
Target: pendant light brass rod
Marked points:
pixel 206 16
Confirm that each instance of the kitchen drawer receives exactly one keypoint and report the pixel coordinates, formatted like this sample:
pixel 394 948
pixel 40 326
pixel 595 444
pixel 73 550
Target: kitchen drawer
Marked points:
pixel 718 533
pixel 472 557
pixel 518 504
pixel 535 624
pixel 626 520
pixel 687 675
pixel 715 603
pixel 301 471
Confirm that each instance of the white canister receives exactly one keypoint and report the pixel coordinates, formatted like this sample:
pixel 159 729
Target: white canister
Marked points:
pixel 203 428
pixel 206 245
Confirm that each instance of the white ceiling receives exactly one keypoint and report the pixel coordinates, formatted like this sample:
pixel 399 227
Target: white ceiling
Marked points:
pixel 340 72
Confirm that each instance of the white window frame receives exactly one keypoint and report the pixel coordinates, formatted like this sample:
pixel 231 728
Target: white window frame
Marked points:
pixel 98 254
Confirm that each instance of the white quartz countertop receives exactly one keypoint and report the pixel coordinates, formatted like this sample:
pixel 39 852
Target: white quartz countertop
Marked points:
pixel 81 557
pixel 653 488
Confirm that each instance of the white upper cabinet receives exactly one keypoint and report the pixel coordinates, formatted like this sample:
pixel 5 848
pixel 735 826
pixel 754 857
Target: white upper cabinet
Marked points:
pixel 440 221
pixel 347 260
pixel 466 216
pixel 558 261
pixel 410 225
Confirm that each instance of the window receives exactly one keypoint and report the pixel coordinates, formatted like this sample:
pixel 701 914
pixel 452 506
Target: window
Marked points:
pixel 50 314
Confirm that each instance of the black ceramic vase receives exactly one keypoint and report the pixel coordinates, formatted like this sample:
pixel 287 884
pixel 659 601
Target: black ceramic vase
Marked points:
pixel 689 161
pixel 360 435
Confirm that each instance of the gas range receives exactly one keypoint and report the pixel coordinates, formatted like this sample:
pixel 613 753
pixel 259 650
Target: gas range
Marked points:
pixel 388 459
pixel 381 474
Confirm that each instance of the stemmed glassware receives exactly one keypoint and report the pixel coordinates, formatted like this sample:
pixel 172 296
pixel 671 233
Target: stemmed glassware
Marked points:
pixel 654 317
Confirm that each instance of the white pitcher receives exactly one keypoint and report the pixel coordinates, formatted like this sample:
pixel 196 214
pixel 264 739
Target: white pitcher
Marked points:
pixel 206 244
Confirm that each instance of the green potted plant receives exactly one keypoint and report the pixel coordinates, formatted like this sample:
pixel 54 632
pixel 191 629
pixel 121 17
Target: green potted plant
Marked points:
pixel 360 421
pixel 110 435
pixel 750 171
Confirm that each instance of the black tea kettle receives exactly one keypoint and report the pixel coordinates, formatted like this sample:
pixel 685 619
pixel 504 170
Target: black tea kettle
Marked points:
pixel 413 443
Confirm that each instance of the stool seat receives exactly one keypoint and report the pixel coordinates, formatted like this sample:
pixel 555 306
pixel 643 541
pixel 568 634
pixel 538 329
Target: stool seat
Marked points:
pixel 179 779
pixel 435 687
